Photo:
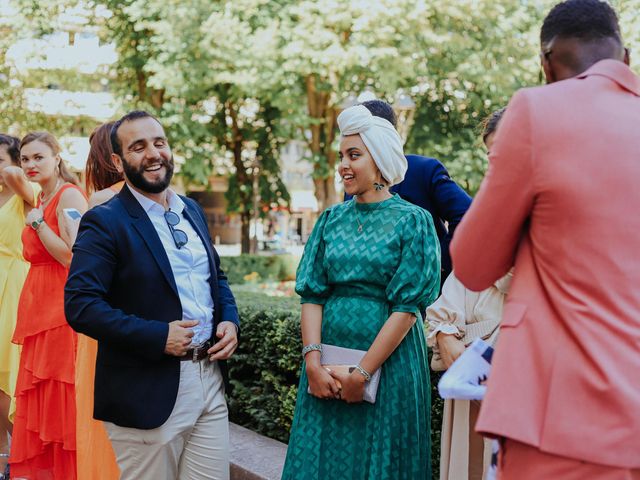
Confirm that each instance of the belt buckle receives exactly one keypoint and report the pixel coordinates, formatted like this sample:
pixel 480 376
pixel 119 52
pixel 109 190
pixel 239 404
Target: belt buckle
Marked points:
pixel 196 351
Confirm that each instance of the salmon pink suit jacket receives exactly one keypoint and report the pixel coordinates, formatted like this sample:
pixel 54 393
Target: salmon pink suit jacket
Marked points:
pixel 561 202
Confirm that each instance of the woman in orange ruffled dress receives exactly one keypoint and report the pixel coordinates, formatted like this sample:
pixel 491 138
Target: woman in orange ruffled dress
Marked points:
pixel 44 431
pixel 96 460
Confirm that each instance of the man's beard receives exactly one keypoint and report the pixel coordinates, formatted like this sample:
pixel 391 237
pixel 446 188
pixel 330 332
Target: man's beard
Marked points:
pixel 136 175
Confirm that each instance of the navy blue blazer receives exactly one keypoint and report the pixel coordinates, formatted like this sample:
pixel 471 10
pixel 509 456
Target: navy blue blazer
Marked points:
pixel 122 292
pixel 428 185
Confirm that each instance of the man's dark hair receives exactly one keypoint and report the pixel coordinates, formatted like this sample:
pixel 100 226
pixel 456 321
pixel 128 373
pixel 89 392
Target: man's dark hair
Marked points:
pixel 13 147
pixel 116 146
pixel 583 19
pixel 380 108
pixel 490 124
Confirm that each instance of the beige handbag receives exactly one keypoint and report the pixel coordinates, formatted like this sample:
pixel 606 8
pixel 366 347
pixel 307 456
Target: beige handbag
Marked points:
pixel 349 358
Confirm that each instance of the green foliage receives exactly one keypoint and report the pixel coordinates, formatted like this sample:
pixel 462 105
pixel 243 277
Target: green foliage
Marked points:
pixel 234 80
pixel 35 19
pixel 271 268
pixel 265 370
pixel 203 67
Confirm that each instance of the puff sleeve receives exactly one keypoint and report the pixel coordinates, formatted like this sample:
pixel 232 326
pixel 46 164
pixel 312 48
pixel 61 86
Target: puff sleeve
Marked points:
pixel 416 282
pixel 311 277
pixel 447 314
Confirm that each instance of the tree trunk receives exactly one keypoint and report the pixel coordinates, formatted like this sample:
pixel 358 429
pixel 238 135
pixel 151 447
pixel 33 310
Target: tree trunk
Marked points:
pixel 234 144
pixel 142 84
pixel 321 143
pixel 245 241
pixel 157 98
pixel 321 193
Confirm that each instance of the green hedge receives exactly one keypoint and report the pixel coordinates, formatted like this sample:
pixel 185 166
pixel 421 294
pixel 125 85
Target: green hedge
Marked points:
pixel 272 268
pixel 265 370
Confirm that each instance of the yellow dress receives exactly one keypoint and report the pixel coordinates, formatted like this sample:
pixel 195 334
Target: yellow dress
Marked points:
pixel 13 271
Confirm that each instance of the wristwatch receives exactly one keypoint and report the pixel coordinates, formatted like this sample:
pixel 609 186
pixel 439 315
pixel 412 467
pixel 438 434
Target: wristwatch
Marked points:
pixel 36 223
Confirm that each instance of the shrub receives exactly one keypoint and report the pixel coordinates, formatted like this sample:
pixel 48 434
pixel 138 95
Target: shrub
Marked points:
pixel 265 370
pixel 272 268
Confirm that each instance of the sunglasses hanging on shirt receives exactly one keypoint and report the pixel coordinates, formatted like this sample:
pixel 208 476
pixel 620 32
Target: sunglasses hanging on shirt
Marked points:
pixel 179 237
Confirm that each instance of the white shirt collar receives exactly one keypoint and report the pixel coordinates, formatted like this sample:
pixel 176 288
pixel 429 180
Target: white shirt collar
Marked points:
pixel 173 200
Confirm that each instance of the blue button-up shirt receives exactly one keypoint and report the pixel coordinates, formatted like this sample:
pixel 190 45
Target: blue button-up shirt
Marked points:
pixel 189 264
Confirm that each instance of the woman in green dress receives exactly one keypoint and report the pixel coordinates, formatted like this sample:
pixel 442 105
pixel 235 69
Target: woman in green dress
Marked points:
pixel 370 266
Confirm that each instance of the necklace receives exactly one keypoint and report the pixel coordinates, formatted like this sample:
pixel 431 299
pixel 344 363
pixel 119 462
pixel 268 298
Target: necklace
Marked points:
pixel 362 224
pixel 42 200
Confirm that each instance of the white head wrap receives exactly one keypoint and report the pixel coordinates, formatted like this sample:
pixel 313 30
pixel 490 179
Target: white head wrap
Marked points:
pixel 382 141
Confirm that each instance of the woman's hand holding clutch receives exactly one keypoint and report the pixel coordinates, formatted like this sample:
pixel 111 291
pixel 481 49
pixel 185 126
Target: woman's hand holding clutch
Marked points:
pixel 321 383
pixel 352 386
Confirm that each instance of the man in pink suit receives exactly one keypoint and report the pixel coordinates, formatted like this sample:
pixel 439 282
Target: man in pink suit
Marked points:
pixel 561 202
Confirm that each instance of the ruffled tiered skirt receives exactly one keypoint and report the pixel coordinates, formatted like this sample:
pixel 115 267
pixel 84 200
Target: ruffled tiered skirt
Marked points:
pixel 44 432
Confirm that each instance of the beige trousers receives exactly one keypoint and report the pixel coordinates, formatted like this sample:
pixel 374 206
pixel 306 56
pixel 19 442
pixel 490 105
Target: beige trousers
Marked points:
pixel 193 444
pixel 464 454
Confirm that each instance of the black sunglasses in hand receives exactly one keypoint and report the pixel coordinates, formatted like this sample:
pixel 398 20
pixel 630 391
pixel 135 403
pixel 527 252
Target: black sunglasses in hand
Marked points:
pixel 179 237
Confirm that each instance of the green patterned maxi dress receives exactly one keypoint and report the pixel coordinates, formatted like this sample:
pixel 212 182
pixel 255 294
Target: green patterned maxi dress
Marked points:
pixel 393 265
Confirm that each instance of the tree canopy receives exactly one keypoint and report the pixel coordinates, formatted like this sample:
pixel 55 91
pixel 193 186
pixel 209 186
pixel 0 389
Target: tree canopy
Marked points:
pixel 235 80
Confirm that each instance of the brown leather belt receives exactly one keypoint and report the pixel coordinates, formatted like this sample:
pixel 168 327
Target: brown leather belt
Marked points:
pixel 197 353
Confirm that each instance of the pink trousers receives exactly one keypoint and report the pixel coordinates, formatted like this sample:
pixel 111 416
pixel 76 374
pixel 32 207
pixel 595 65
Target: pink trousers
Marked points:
pixel 519 461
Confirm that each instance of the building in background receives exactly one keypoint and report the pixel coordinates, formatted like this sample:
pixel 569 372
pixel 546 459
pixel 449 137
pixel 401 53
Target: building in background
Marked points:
pixel 281 228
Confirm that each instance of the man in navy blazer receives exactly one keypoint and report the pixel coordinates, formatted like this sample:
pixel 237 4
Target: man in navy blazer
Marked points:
pixel 428 185
pixel 145 282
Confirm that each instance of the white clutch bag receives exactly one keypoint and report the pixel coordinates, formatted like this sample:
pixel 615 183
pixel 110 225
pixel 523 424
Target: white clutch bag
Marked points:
pixel 349 358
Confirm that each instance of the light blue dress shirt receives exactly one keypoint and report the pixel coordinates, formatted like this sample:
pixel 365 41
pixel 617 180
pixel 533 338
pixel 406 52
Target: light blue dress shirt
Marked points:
pixel 189 264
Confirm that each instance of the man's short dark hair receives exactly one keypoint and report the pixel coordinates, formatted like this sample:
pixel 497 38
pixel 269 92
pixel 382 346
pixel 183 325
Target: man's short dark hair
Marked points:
pixel 583 19
pixel 490 124
pixel 116 146
pixel 380 108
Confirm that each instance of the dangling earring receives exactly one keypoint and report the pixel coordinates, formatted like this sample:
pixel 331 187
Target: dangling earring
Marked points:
pixel 378 186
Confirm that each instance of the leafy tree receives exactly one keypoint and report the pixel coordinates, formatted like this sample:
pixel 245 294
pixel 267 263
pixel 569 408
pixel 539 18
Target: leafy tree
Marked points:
pixel 30 19
pixel 331 49
pixel 195 63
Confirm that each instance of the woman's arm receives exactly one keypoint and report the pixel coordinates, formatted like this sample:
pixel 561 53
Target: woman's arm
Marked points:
pixel 17 182
pixel 51 241
pixel 321 383
pixel 389 337
pixel 60 246
pixel 446 320
pixel 100 197
pixel 70 198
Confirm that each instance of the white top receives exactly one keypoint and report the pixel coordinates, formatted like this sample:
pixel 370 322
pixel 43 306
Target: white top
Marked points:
pixel 466 314
pixel 189 264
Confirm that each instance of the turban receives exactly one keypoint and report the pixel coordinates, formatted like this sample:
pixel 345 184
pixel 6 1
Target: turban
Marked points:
pixel 380 137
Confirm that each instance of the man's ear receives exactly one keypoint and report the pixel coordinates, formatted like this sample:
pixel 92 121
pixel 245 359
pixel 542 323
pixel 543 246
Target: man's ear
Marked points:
pixel 547 69
pixel 627 56
pixel 117 162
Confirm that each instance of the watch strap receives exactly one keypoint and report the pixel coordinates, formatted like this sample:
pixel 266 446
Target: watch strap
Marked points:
pixel 36 223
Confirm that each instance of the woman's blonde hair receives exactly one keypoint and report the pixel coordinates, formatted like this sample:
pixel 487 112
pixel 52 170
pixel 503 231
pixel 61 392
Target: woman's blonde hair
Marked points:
pixel 51 141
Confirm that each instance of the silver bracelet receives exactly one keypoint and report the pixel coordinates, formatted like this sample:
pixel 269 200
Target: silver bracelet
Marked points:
pixel 363 372
pixel 312 347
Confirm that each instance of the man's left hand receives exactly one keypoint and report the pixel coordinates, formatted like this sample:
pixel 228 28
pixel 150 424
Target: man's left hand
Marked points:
pixel 227 343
